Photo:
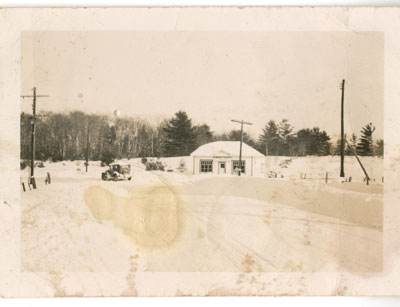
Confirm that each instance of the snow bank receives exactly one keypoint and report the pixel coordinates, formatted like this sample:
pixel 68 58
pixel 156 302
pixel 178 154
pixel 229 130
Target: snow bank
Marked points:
pixel 313 167
pixel 66 169
pixel 293 168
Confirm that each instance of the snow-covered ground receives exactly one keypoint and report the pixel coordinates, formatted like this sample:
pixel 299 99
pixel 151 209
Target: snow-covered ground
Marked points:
pixel 313 167
pixel 174 221
pixel 308 168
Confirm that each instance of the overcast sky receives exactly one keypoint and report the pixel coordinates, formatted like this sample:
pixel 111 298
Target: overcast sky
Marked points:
pixel 213 76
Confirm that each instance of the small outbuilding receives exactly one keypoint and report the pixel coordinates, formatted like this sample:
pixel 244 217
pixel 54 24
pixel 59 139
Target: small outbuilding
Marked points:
pixel 222 157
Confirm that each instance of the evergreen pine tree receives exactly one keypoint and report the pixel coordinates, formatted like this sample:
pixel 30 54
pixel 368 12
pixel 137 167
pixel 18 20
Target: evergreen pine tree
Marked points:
pixel 179 136
pixel 312 142
pixel 203 134
pixel 234 135
pixel 268 141
pixel 285 137
pixel 353 144
pixel 365 144
pixel 379 148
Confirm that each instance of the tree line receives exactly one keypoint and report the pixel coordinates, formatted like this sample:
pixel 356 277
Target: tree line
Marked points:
pixel 281 139
pixel 66 136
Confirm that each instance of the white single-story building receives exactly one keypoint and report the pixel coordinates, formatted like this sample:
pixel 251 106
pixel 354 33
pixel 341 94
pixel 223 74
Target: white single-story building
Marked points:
pixel 222 157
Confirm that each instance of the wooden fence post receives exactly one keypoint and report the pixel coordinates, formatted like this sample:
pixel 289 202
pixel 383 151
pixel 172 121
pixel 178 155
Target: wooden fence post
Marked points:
pixel 326 177
pixel 48 180
pixel 33 182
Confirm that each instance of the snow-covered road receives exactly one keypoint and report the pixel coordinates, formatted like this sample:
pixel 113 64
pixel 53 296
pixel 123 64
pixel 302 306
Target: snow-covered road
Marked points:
pixel 215 224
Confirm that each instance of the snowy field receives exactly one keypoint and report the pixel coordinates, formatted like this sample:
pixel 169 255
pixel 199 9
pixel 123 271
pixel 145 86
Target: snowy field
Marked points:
pixel 309 168
pixel 175 221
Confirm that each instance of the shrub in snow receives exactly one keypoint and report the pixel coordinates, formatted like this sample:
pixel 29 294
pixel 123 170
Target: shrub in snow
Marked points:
pixel 159 166
pixel 23 164
pixel 182 166
pixel 285 163
pixel 40 164
pixel 150 166
pixel 144 160
pixel 154 166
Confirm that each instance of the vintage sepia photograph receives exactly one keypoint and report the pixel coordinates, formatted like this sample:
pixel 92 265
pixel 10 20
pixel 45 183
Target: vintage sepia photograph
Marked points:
pixel 201 151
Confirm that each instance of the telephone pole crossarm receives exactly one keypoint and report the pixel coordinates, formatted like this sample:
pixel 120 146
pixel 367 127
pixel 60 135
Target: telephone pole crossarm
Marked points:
pixel 241 122
pixel 31 96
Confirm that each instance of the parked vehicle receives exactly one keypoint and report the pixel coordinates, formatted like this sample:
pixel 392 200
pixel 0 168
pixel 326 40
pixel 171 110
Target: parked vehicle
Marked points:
pixel 117 171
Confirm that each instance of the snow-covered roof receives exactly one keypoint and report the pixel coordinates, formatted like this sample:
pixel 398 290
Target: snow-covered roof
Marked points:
pixel 226 149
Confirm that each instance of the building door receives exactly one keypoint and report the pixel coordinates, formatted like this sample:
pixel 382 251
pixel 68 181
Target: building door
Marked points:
pixel 221 167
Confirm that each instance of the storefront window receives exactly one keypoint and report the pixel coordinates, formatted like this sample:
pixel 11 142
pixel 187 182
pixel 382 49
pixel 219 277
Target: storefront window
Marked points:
pixel 206 166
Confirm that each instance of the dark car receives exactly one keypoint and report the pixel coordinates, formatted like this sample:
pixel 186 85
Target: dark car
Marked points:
pixel 117 171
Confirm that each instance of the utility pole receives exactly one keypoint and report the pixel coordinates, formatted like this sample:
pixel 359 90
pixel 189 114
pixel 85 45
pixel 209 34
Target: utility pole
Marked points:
pixel 152 145
pixel 342 133
pixel 87 146
pixel 33 122
pixel 266 155
pixel 241 122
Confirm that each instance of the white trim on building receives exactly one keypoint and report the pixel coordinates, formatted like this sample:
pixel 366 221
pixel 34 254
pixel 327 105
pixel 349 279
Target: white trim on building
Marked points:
pixel 222 158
